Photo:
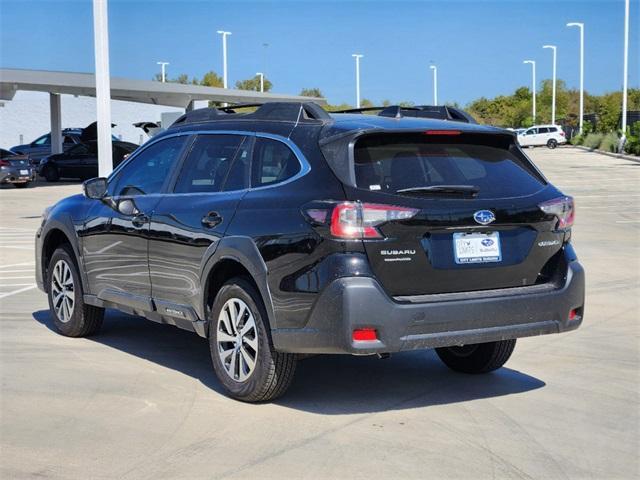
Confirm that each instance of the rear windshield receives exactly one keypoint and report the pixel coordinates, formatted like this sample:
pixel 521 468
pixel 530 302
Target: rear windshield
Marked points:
pixel 389 163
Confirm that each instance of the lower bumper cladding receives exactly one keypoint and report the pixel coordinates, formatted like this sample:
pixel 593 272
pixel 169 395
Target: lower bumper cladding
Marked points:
pixel 353 305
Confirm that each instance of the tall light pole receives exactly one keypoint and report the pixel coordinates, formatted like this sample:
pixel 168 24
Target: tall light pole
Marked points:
pixel 103 86
pixel 224 56
pixel 163 65
pixel 435 83
pixel 533 87
pixel 581 27
pixel 553 87
pixel 357 56
pixel 625 74
pixel 261 75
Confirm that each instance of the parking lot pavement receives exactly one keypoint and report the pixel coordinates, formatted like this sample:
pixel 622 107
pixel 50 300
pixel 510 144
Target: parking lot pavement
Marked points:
pixel 140 399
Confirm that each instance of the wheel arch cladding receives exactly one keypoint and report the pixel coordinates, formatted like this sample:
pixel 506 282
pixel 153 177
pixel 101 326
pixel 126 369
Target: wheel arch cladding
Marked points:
pixel 236 256
pixel 56 235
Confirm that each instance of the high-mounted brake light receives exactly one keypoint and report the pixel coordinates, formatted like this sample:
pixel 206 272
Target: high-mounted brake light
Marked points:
pixel 442 132
pixel 355 220
pixel 564 210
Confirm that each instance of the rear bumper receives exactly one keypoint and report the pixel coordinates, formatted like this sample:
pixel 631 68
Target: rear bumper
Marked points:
pixel 12 175
pixel 359 302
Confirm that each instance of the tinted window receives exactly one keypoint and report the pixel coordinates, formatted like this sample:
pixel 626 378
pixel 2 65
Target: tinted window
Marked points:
pixel 146 172
pixel 209 163
pixel 68 139
pixel 392 163
pixel 78 149
pixel 553 129
pixel 531 131
pixel 273 162
pixel 543 130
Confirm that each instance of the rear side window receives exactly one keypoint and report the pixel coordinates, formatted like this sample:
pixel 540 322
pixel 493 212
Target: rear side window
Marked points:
pixel 273 162
pixel 544 130
pixel 389 163
pixel 209 164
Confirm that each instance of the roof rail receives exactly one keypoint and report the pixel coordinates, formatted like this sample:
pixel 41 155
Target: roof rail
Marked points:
pixel 442 112
pixel 276 111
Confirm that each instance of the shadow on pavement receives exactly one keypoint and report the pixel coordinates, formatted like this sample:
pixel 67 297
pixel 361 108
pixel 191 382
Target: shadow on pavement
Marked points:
pixel 325 384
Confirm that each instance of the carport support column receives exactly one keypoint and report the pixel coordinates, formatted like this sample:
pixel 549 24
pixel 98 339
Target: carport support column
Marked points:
pixel 55 113
pixel 103 86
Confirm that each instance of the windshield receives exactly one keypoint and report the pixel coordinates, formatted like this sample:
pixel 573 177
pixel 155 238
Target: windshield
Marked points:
pixel 393 163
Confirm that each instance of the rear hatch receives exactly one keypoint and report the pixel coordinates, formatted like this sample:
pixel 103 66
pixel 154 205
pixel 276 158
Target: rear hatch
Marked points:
pixel 16 161
pixel 470 216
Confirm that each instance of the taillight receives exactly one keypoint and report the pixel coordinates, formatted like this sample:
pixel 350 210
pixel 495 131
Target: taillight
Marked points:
pixel 564 210
pixel 355 220
pixel 4 163
pixel 562 134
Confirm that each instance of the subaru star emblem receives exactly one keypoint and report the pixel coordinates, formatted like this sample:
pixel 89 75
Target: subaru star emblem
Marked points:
pixel 484 217
pixel 487 242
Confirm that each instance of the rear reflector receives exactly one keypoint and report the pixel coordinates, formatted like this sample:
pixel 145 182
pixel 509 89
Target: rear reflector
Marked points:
pixel 573 314
pixel 365 335
pixel 442 132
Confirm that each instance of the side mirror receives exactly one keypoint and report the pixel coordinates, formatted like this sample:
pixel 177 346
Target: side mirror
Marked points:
pixel 95 188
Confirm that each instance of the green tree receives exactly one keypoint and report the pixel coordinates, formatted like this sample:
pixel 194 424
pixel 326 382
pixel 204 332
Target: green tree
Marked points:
pixel 311 92
pixel 253 84
pixel 212 79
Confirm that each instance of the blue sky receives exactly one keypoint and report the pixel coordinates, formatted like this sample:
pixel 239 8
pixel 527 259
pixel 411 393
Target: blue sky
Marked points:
pixel 478 46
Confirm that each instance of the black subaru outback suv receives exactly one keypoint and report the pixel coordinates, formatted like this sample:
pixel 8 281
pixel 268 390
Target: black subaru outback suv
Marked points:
pixel 289 231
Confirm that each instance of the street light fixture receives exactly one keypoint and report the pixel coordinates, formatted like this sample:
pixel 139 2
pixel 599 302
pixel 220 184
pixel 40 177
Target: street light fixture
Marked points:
pixel 533 87
pixel 357 56
pixel 261 75
pixel 163 66
pixel 553 87
pixel 581 27
pixel 224 56
pixel 435 83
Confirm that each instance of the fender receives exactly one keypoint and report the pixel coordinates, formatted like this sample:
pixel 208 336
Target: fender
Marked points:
pixel 244 251
pixel 63 222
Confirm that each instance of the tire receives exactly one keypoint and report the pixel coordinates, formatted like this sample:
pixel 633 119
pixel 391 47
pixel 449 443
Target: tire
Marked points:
pixel 22 185
pixel 71 316
pixel 51 174
pixel 552 143
pixel 477 358
pixel 272 372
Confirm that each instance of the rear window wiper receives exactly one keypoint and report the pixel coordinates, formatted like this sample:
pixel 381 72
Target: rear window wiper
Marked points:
pixel 462 190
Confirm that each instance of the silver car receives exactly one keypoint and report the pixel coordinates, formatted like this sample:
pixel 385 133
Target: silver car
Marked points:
pixel 15 169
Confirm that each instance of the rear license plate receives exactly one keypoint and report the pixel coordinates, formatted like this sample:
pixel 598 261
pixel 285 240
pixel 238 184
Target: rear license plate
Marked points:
pixel 477 247
pixel 24 172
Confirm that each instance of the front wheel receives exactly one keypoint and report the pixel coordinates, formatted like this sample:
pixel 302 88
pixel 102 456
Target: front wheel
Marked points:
pixel 552 144
pixel 71 316
pixel 478 357
pixel 243 356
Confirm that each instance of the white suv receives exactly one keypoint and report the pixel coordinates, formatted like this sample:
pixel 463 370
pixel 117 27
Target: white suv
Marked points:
pixel 538 135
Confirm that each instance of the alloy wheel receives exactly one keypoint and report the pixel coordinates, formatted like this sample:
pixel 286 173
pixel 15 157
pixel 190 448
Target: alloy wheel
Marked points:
pixel 63 291
pixel 237 338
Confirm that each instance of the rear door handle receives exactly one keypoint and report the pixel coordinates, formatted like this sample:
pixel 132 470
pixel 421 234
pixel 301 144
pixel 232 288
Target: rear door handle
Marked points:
pixel 139 220
pixel 211 219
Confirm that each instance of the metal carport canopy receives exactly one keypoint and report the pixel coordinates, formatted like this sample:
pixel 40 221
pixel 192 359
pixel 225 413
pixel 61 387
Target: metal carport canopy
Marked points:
pixel 131 90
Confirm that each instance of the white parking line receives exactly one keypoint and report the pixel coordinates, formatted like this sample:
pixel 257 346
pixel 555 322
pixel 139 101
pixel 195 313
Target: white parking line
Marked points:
pixel 17 271
pixel 16 265
pixel 20 290
pixel 15 278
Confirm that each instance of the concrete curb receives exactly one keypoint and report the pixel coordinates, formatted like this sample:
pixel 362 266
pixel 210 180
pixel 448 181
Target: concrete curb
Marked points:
pixel 609 154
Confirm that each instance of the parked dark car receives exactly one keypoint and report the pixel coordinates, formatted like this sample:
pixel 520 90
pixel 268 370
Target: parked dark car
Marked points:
pixel 41 146
pixel 289 231
pixel 15 169
pixel 80 161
